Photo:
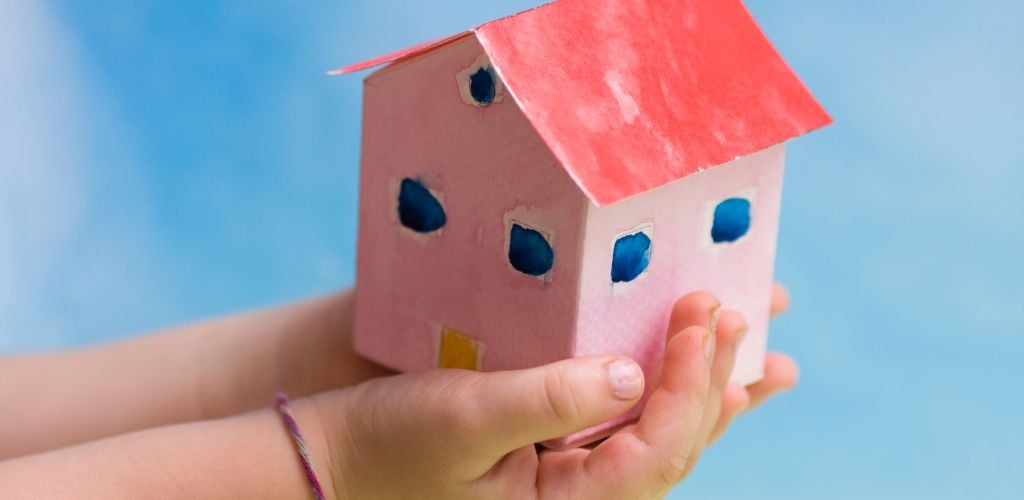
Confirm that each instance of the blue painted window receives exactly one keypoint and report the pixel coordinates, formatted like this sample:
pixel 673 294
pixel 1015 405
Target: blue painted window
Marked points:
pixel 482 86
pixel 418 209
pixel 630 256
pixel 529 251
pixel 732 220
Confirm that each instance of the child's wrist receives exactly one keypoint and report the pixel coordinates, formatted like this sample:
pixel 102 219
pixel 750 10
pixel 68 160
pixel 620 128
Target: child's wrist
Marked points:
pixel 333 426
pixel 313 424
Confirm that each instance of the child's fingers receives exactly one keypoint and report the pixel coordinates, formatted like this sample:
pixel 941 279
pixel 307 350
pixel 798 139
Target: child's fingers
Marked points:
pixel 729 329
pixel 780 374
pixel 561 398
pixel 692 309
pixel 697 308
pixel 654 453
pixel 780 299
pixel 522 407
pixel 735 400
pixel 730 326
pixel 661 441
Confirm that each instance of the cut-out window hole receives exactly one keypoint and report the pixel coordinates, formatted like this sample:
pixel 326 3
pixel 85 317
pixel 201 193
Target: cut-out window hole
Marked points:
pixel 482 86
pixel 479 85
pixel 418 208
pixel 731 220
pixel 529 251
pixel 630 256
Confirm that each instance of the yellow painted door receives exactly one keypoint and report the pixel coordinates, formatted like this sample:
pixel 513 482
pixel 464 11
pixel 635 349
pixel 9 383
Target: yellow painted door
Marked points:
pixel 458 350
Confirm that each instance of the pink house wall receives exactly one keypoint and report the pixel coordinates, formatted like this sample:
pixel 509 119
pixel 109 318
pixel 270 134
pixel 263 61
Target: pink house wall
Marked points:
pixel 630 318
pixel 486 164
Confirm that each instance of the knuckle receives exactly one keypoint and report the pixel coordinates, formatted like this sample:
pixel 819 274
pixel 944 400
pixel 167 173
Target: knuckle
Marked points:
pixel 672 470
pixel 456 402
pixel 562 400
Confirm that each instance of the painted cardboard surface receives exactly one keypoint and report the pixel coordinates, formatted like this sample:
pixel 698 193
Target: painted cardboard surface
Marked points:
pixel 488 167
pixel 396 55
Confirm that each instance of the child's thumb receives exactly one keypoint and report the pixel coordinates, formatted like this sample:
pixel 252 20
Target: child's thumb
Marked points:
pixel 522 407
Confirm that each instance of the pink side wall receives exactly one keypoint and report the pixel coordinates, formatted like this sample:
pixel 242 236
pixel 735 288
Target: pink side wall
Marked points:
pixel 485 163
pixel 631 318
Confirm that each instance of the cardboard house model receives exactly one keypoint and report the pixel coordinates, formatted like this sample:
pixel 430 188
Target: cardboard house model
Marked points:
pixel 547 185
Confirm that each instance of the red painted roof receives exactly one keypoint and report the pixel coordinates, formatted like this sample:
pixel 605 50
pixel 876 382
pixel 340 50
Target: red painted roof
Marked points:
pixel 633 94
pixel 394 56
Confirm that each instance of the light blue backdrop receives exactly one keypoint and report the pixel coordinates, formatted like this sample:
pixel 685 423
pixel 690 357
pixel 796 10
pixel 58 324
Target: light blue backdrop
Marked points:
pixel 166 161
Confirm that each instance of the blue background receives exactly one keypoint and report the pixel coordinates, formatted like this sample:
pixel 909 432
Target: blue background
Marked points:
pixel 166 161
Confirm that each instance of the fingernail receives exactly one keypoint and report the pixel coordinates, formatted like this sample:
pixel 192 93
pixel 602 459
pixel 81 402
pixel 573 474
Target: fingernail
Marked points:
pixel 708 343
pixel 714 318
pixel 626 379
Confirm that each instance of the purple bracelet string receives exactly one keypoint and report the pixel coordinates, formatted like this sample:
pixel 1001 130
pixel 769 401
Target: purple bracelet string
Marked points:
pixel 281 403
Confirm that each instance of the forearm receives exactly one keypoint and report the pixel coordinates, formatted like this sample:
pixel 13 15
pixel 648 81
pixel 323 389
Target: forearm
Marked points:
pixel 247 456
pixel 196 372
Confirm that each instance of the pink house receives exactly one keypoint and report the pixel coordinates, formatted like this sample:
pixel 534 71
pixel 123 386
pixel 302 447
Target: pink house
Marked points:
pixel 546 185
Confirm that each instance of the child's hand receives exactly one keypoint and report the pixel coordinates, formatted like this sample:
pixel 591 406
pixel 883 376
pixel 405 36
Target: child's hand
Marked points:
pixel 462 434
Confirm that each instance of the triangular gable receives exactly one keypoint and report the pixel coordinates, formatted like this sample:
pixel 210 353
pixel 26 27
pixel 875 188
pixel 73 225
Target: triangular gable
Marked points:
pixel 634 94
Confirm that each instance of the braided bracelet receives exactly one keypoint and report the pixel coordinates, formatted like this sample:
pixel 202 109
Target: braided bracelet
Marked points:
pixel 281 403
